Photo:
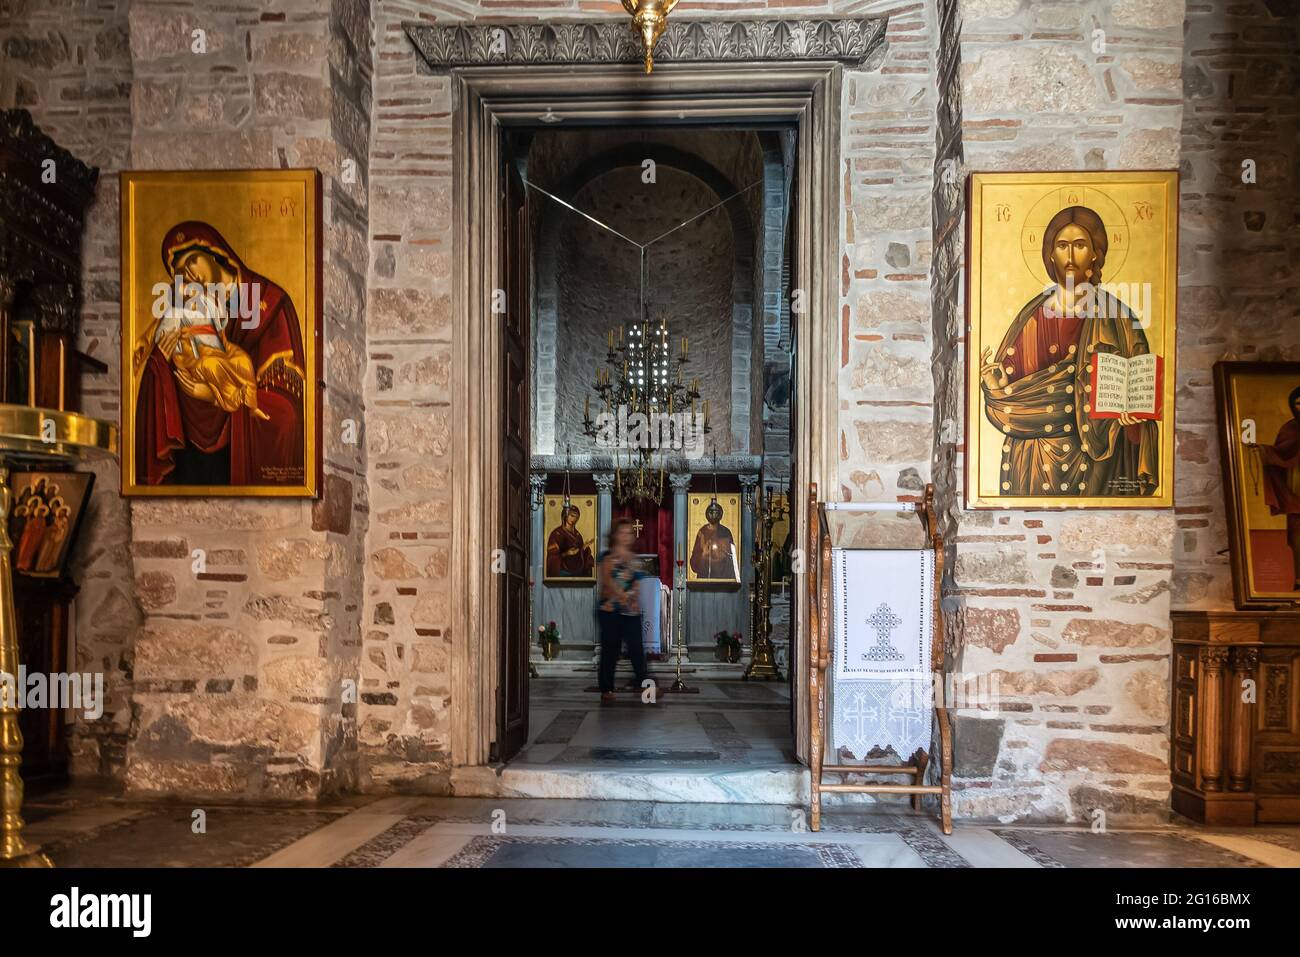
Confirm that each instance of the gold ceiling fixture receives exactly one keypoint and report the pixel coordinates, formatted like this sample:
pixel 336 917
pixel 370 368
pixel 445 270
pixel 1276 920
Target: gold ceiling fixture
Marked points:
pixel 649 18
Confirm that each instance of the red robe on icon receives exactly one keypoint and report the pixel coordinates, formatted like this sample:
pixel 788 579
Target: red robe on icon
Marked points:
pixel 169 421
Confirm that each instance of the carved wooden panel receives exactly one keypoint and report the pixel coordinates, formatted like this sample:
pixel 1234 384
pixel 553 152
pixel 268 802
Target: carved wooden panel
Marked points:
pixel 1276 697
pixel 44 193
pixel 1277 756
pixel 1234 745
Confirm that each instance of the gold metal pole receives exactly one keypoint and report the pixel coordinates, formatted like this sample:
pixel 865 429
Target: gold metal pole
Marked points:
pixel 762 664
pixel 14 851
pixel 679 684
pixel 48 436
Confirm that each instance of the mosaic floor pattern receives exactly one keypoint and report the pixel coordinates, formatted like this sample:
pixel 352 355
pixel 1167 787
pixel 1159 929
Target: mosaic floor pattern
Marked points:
pixel 89 828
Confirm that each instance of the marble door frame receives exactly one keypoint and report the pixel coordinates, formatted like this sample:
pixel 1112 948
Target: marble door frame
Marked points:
pixel 487 100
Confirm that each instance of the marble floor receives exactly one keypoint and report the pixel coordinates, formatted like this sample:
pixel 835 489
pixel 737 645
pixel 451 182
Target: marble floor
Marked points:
pixel 90 828
pixel 717 723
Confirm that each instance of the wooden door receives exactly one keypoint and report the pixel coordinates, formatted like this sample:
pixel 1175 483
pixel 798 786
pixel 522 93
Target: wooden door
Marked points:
pixel 798 497
pixel 512 683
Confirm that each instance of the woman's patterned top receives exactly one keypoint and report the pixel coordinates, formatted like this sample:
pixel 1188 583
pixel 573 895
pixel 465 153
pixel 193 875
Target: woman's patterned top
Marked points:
pixel 625 575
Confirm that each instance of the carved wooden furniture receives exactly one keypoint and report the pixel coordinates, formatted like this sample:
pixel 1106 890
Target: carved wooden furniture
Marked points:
pixel 821 648
pixel 44 194
pixel 1235 726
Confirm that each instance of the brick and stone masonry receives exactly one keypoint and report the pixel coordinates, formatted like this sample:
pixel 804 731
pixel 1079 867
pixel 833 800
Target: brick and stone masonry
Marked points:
pixel 232 684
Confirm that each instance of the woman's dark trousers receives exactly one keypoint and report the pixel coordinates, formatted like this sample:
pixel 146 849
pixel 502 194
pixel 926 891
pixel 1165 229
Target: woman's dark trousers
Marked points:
pixel 617 631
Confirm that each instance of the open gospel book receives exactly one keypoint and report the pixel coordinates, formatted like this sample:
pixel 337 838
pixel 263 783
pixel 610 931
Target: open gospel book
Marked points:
pixel 1126 385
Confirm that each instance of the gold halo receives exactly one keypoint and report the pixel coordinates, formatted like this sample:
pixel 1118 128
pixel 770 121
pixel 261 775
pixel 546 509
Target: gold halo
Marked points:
pixel 1058 198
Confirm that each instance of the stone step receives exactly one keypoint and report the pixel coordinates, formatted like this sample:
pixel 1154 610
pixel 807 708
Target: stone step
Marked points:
pixel 712 670
pixel 783 784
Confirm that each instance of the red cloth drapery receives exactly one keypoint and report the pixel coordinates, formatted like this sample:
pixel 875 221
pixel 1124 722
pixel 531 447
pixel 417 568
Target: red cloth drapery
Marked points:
pixel 656 536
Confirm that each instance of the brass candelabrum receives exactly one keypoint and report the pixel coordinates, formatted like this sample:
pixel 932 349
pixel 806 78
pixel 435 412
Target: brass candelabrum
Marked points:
pixel 30 438
pixel 679 612
pixel 642 376
pixel 769 509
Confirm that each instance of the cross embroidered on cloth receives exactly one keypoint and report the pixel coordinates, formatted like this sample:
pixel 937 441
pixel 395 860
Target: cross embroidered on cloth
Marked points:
pixel 883 621
pixel 883 630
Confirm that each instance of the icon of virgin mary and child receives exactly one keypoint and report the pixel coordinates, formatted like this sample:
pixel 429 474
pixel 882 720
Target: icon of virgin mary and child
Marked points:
pixel 219 394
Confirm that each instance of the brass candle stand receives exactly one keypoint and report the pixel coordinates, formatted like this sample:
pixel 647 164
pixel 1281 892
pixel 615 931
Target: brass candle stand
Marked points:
pixel 680 588
pixel 768 509
pixel 532 665
pixel 29 438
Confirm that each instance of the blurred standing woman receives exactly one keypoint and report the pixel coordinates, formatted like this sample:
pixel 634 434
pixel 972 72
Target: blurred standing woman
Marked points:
pixel 619 608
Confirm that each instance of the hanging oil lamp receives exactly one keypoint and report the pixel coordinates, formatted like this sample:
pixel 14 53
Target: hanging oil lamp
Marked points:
pixel 649 18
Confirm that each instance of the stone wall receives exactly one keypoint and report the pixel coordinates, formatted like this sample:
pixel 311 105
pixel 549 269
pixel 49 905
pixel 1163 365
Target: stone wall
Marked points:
pixel 701 272
pixel 1071 611
pixel 240 670
pixel 1239 289
pixel 886 383
pixel 231 683
pixel 404 715
pixel 1068 610
pixel 69 64
pixel 688 278
pixel 229 679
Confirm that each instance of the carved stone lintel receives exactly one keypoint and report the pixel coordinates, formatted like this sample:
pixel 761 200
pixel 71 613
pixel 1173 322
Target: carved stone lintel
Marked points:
pixel 674 462
pixel 850 40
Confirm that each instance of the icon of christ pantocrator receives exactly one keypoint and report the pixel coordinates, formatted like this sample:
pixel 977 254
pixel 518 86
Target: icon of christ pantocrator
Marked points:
pixel 1037 387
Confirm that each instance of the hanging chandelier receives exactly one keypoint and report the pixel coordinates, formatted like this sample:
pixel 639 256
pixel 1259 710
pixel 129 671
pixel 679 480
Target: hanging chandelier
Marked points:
pixel 645 406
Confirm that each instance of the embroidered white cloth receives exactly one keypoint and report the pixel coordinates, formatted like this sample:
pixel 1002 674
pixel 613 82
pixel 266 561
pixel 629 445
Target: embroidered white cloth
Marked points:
pixel 881 692
pixel 649 593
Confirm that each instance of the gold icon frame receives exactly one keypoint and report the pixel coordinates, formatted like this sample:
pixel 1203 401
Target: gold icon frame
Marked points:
pixel 733 518
pixel 999 209
pixel 290 256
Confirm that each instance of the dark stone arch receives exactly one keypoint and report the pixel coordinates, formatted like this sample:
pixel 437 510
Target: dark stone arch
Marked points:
pixel 744 292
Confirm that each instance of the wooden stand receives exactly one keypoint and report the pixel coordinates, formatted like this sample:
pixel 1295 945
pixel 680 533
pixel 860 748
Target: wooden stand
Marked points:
pixel 42 607
pixel 821 622
pixel 1235 727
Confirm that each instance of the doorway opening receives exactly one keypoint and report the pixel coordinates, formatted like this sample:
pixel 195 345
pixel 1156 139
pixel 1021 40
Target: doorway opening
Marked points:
pixel 648 271
pixel 491 461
